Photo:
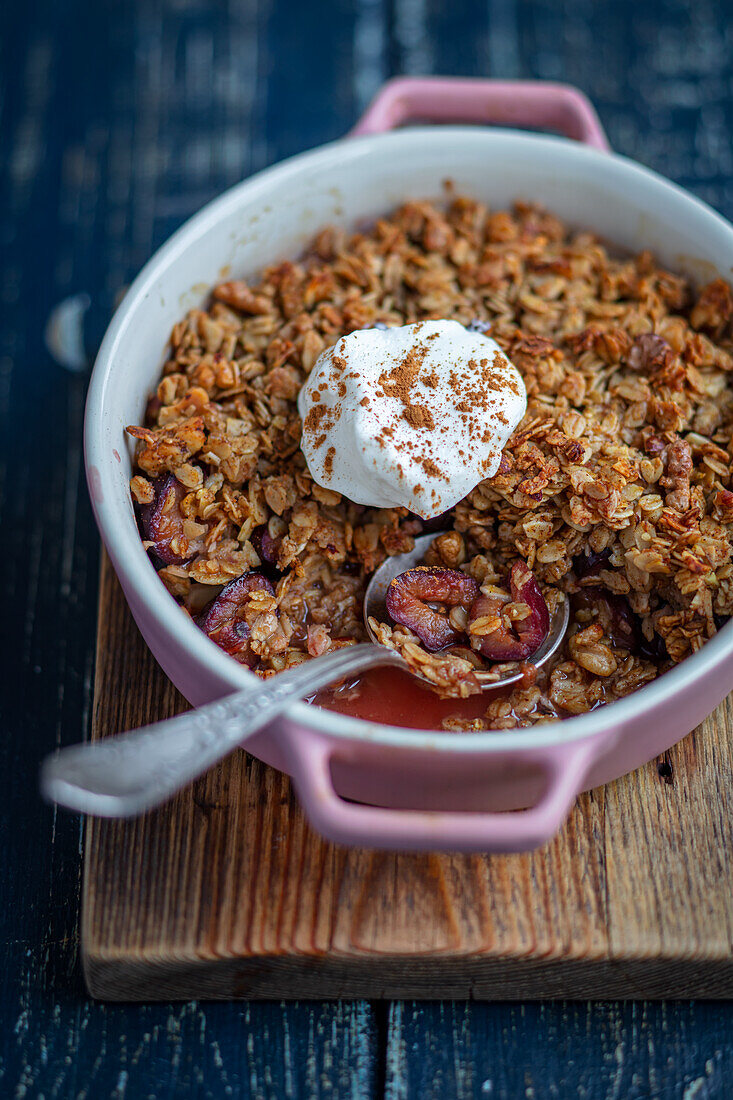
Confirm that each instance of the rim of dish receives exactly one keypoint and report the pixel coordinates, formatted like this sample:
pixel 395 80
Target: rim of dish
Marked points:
pixel 122 538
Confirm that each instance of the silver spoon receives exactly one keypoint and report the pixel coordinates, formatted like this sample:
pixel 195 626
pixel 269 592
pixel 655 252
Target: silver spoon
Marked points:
pixel 125 775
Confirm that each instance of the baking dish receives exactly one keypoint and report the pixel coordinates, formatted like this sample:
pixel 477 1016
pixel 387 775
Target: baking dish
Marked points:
pixel 361 782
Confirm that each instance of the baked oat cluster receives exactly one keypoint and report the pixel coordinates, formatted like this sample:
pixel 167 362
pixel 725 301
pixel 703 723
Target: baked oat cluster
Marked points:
pixel 614 488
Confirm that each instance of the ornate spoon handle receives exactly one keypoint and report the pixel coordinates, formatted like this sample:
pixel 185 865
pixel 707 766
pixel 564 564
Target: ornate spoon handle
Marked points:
pixel 133 772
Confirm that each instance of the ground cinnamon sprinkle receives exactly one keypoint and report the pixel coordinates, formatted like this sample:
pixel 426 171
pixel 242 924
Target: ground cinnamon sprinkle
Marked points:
pixel 431 468
pixel 328 461
pixel 471 384
pixel 419 416
pixel 399 381
pixel 314 418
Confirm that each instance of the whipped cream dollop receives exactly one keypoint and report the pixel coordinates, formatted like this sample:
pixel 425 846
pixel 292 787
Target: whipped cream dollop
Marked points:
pixel 414 416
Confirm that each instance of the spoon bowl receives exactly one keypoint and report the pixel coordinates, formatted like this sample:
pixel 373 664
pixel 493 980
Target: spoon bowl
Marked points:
pixel 375 607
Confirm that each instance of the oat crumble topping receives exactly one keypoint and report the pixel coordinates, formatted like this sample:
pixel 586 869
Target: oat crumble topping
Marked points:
pixel 615 488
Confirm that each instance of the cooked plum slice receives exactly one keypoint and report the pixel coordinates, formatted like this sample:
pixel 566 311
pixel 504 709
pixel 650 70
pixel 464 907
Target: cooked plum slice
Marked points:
pixel 619 622
pixel 161 522
pixel 437 523
pixel 267 548
pixel 588 565
pixel 224 618
pixel 654 650
pixel 409 597
pixel 524 637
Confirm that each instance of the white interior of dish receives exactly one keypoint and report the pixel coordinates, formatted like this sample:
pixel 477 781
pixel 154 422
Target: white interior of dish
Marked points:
pixel 272 216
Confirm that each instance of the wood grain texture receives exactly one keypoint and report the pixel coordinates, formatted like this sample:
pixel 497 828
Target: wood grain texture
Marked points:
pixel 228 892
pixel 583 1051
pixel 118 121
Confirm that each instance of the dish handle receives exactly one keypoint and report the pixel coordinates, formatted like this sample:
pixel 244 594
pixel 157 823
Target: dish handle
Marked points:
pixel 563 766
pixel 526 103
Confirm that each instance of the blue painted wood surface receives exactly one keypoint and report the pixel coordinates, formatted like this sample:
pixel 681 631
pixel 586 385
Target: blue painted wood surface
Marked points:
pixel 118 119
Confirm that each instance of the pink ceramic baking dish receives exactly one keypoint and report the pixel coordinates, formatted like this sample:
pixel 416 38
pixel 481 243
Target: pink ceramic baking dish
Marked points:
pixel 361 782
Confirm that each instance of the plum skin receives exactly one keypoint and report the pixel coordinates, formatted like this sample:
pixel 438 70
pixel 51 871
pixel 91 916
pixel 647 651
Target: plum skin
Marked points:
pixel 525 636
pixel 408 596
pixel 161 522
pixel 223 619
pixel 267 549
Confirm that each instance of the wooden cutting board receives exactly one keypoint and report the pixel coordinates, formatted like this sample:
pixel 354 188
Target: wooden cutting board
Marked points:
pixel 227 892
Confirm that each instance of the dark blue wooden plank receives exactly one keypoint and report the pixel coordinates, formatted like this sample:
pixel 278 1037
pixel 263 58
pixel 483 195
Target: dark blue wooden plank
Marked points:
pixel 63 1045
pixel 309 58
pixel 118 120
pixel 676 1051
